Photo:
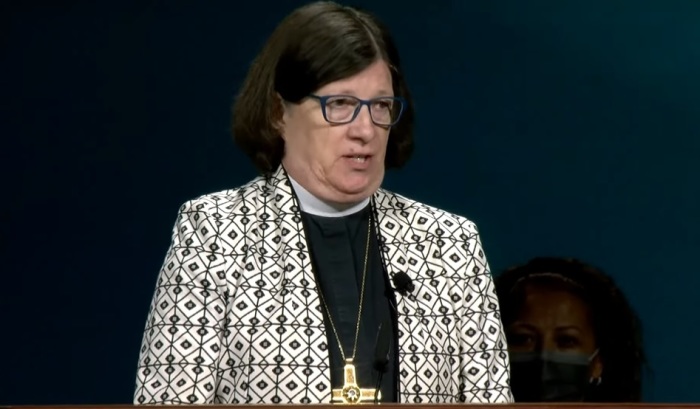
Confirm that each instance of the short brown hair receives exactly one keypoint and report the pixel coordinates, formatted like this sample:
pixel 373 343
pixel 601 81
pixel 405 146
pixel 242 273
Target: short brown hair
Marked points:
pixel 315 45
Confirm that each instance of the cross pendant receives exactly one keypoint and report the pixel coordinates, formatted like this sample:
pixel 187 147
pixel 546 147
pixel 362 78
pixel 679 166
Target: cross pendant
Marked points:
pixel 351 394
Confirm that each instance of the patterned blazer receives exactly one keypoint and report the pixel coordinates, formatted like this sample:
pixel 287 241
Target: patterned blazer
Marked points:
pixel 236 316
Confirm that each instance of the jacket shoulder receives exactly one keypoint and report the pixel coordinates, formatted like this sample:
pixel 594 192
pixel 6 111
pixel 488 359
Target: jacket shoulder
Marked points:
pixel 239 200
pixel 417 213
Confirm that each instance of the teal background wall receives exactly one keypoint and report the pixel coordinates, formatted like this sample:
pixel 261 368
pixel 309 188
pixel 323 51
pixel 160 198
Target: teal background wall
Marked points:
pixel 560 127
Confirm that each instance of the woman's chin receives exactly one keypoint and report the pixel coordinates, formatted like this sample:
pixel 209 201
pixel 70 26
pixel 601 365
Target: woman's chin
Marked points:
pixel 356 192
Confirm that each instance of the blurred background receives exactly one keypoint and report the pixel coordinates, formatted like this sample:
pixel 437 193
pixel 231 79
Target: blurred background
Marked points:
pixel 562 128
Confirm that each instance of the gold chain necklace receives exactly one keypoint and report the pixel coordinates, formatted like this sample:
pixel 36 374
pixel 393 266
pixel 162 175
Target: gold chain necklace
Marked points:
pixel 351 393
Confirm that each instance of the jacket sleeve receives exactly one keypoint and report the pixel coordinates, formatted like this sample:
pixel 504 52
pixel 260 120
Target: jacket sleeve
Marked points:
pixel 485 368
pixel 184 332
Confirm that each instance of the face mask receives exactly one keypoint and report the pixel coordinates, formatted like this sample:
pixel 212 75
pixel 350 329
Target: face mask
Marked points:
pixel 549 376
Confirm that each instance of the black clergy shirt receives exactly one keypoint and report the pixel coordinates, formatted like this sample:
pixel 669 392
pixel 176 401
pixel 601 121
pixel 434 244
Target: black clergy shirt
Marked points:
pixel 337 246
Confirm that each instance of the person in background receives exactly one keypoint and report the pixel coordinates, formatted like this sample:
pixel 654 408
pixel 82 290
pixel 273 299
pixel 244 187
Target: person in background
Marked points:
pixel 572 334
pixel 312 283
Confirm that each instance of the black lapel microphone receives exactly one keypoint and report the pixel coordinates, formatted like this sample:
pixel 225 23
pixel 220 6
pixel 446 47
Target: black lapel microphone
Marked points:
pixel 382 351
pixel 403 283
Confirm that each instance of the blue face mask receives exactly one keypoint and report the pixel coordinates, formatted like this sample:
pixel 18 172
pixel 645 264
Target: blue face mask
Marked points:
pixel 549 376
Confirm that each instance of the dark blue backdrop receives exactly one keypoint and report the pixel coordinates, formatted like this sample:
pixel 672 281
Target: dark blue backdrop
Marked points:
pixel 560 127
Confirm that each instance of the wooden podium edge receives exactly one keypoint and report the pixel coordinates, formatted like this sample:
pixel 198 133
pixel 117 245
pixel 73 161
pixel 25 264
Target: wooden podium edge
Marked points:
pixel 385 406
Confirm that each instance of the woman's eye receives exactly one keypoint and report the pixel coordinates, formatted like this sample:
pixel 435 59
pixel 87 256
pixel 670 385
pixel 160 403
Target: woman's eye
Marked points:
pixel 382 105
pixel 520 339
pixel 567 342
pixel 340 102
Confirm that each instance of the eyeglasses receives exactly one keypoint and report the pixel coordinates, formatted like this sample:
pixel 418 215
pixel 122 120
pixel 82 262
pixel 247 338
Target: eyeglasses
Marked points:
pixel 343 109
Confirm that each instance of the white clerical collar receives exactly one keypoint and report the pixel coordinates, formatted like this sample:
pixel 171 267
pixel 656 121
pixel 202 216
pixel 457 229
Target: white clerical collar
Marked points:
pixel 313 205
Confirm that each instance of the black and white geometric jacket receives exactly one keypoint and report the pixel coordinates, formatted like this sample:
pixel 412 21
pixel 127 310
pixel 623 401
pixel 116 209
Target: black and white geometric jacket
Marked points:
pixel 236 316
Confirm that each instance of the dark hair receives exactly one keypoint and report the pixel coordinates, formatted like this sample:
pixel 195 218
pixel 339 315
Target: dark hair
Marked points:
pixel 315 45
pixel 617 328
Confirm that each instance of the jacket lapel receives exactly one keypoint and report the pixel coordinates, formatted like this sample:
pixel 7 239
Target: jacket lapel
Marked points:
pixel 398 247
pixel 298 335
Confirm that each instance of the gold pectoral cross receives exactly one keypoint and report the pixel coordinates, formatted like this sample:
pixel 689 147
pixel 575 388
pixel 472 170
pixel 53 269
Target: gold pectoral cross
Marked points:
pixel 351 394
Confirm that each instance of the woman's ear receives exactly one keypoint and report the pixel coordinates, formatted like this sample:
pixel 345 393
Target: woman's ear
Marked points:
pixel 596 367
pixel 279 114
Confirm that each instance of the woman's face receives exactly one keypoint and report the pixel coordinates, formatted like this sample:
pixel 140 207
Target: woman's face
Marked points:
pixel 552 347
pixel 552 320
pixel 342 164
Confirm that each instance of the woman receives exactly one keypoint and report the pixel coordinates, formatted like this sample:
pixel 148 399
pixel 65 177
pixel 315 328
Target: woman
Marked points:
pixel 571 333
pixel 311 283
